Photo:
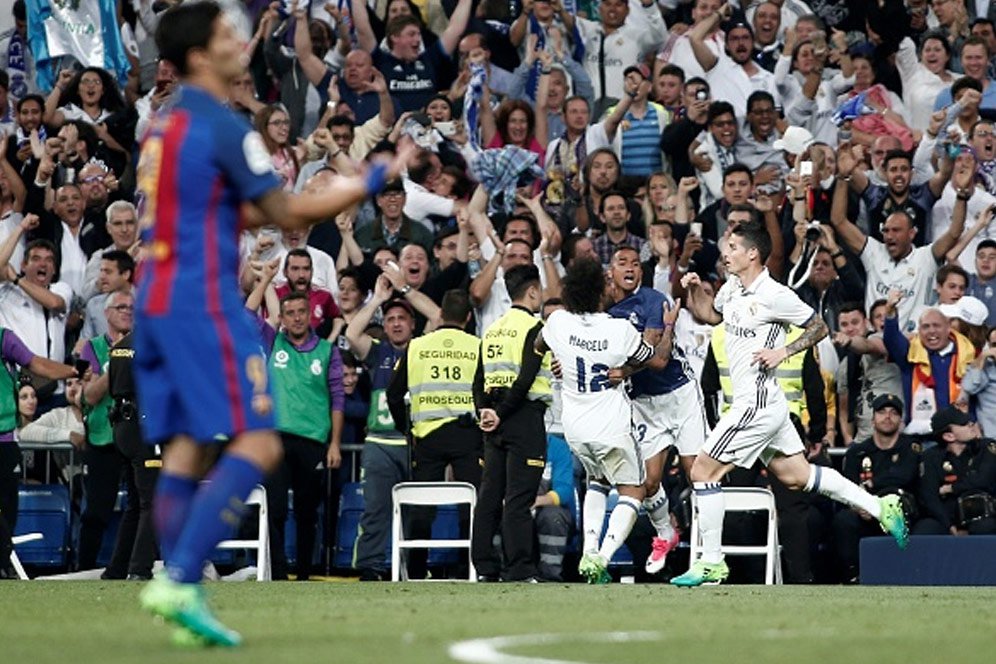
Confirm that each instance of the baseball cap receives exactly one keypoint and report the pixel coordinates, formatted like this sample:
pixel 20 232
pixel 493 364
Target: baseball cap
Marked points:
pixel 641 69
pixel 738 22
pixel 795 140
pixel 943 419
pixel 988 243
pixel 393 185
pixel 398 302
pixel 887 401
pixel 970 309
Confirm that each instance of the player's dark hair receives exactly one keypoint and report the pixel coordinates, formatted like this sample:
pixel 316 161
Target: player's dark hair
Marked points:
pixel 583 286
pixel 184 28
pixel 456 306
pixel 519 279
pixel 123 260
pixel 755 236
pixel 294 295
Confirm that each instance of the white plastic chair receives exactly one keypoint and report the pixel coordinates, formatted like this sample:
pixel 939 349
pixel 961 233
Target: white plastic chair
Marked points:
pixel 262 542
pixel 746 499
pixel 14 560
pixel 426 494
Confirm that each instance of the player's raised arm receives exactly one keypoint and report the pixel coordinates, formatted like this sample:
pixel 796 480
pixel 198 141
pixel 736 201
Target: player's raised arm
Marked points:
pixel 297 211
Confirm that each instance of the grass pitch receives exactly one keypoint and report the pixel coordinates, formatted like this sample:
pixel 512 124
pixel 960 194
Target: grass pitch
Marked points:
pixel 313 623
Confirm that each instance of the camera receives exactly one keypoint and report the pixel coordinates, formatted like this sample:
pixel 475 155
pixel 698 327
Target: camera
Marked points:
pixel 701 95
pixel 813 231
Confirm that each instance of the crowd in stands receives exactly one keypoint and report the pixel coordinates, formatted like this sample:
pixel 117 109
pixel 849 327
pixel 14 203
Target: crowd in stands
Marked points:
pixel 862 133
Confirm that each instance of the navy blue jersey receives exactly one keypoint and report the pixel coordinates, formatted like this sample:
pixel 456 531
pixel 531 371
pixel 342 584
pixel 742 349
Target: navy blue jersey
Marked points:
pixel 644 309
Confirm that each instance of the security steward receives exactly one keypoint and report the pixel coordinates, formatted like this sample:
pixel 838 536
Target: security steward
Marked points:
pixel 135 549
pixel 438 371
pixel 104 464
pixel 958 478
pixel 800 379
pixel 309 398
pixel 888 462
pixel 511 401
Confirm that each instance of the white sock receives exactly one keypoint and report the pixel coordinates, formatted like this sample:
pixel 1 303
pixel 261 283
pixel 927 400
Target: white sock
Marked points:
pixel 620 523
pixel 828 482
pixel 593 514
pixel 711 508
pixel 657 509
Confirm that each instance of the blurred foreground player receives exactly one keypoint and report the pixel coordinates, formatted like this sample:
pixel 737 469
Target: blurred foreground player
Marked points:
pixel 198 364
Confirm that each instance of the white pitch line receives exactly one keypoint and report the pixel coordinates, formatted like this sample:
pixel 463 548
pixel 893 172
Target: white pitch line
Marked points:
pixel 489 651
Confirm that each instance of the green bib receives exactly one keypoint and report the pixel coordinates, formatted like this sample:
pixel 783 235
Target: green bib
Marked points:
pixel 98 425
pixel 8 396
pixel 301 389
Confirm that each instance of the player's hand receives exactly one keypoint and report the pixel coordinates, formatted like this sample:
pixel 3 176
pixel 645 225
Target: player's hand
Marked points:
pixel 690 280
pixel 617 375
pixel 333 458
pixel 489 420
pixel 671 313
pixel 769 358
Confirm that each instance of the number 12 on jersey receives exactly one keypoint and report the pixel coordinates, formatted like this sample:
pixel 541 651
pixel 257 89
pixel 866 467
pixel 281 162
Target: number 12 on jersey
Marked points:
pixel 599 376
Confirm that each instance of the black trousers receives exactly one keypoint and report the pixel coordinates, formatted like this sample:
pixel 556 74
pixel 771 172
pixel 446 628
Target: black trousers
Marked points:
pixel 848 530
pixel 103 468
pixel 302 469
pixel 793 531
pixel 135 548
pixel 514 457
pixel 10 478
pixel 450 445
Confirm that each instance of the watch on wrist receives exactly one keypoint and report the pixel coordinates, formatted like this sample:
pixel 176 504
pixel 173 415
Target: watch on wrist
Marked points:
pixel 406 289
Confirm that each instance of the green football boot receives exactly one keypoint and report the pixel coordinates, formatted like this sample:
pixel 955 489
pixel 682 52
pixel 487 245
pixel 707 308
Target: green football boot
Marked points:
pixel 893 521
pixel 702 573
pixel 594 568
pixel 184 604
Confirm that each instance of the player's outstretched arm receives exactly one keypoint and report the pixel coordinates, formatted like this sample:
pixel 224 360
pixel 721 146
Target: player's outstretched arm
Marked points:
pixel 298 211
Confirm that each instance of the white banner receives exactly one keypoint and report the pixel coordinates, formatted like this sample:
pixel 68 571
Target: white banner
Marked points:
pixel 75 29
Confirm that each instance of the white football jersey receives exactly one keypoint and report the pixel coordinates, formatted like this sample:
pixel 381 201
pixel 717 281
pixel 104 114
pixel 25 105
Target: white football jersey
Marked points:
pixel 755 318
pixel 587 346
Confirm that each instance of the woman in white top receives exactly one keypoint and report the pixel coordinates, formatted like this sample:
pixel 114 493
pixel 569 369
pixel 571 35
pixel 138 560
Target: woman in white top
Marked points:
pixel 923 80
pixel 90 96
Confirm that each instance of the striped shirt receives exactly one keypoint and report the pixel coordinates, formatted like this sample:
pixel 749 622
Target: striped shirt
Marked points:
pixel 641 152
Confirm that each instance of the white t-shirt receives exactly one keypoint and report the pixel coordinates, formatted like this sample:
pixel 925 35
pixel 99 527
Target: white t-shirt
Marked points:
pixel 913 275
pixel 22 314
pixel 940 221
pixel 756 318
pixel 73 264
pixel 588 346
pixel 8 223
pixel 731 81
pixel 693 338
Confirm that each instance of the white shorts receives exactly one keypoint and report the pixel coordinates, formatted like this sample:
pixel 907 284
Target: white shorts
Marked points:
pixel 618 461
pixel 746 433
pixel 676 418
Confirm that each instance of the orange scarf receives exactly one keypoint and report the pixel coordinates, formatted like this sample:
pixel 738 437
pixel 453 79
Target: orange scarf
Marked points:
pixel 917 356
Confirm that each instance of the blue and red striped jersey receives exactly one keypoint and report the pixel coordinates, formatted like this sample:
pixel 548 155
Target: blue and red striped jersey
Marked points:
pixel 199 162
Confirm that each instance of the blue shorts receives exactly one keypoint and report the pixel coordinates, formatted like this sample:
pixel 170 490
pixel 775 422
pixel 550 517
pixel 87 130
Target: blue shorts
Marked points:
pixel 200 375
